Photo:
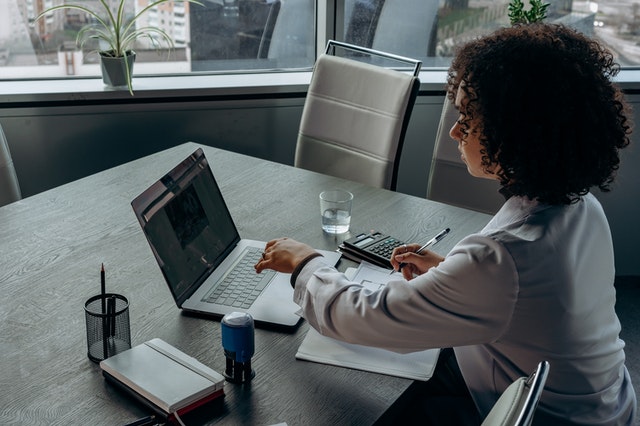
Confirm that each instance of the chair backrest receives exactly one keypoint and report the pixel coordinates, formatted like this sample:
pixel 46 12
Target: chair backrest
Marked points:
pixel 517 404
pixel 355 118
pixel 287 35
pixel 269 27
pixel 449 180
pixel 9 188
pixel 407 26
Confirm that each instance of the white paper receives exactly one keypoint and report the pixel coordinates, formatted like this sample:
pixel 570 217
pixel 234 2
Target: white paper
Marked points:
pixel 318 348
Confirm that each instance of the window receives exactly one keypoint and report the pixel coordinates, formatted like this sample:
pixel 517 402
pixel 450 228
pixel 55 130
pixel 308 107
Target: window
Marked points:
pixel 430 30
pixel 267 34
pixel 251 35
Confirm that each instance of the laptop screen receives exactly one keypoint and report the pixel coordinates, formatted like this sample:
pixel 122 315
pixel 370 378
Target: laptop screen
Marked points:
pixel 187 224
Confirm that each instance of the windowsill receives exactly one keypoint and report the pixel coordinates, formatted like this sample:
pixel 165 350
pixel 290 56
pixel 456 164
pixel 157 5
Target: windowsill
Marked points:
pixel 92 90
pixel 151 87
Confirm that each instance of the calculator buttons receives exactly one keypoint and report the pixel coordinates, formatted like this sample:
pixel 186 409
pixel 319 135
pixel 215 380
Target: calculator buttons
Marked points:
pixel 385 248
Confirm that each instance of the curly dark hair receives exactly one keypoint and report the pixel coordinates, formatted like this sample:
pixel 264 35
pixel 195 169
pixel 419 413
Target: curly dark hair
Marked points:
pixel 550 115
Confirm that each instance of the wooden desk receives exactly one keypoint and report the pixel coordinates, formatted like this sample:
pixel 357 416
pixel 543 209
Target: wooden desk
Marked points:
pixel 52 247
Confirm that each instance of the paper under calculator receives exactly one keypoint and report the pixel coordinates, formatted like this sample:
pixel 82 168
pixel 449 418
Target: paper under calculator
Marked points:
pixel 374 247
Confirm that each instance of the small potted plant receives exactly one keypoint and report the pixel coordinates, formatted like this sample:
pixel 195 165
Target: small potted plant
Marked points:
pixel 517 14
pixel 118 34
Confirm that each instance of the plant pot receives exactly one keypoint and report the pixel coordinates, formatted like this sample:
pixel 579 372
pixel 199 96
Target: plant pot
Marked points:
pixel 117 71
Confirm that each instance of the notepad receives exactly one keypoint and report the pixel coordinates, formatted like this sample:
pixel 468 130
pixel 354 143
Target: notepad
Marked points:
pixel 172 382
pixel 326 350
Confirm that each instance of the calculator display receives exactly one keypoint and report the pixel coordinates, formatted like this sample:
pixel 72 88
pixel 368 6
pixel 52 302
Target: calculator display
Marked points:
pixel 364 242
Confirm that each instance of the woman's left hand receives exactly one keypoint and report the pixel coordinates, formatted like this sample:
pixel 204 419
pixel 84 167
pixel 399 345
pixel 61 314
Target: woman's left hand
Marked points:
pixel 413 263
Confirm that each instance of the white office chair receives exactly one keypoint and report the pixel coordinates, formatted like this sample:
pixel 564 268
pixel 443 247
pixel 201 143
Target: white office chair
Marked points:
pixel 9 188
pixel 355 117
pixel 517 404
pixel 449 180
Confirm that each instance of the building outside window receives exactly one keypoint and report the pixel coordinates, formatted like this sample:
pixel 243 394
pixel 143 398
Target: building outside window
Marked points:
pixel 274 35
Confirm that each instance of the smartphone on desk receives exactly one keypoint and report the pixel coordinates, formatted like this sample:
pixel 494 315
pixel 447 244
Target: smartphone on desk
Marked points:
pixel 374 247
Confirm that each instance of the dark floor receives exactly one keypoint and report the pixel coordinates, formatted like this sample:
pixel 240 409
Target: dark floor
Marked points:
pixel 628 308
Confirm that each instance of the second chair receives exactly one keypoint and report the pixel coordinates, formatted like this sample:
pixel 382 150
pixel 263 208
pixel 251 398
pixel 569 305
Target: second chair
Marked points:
pixel 449 180
pixel 9 187
pixel 355 118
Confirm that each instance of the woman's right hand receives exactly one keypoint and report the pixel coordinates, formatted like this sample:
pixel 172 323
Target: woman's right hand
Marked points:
pixel 414 264
pixel 283 255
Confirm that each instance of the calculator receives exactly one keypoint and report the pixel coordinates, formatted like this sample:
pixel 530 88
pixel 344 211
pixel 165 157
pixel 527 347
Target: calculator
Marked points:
pixel 374 247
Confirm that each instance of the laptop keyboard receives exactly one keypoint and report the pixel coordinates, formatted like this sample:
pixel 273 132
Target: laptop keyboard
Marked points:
pixel 241 286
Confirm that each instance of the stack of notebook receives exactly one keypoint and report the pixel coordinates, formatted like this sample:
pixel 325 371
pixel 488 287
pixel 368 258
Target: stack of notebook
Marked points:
pixel 168 381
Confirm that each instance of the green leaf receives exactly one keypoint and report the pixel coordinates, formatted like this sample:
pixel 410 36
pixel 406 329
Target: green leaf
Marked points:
pixel 517 14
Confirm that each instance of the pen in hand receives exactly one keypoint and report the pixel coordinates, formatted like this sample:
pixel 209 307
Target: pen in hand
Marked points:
pixel 428 244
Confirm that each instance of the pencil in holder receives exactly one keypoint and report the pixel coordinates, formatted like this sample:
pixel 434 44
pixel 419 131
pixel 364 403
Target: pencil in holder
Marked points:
pixel 108 330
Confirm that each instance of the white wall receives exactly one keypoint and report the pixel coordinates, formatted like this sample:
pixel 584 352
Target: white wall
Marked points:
pixel 52 145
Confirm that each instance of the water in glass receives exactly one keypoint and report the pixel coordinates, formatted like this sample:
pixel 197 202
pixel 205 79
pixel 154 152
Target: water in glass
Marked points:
pixel 335 221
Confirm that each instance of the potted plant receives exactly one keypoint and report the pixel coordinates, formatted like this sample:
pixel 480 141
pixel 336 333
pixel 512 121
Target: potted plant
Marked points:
pixel 517 14
pixel 118 34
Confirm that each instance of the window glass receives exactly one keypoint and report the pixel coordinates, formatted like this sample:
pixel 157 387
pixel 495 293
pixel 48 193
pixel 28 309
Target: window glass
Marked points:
pixel 220 35
pixel 252 34
pixel 247 35
pixel 430 30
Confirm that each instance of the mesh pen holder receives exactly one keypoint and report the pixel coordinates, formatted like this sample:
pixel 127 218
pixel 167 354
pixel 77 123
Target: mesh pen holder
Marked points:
pixel 108 330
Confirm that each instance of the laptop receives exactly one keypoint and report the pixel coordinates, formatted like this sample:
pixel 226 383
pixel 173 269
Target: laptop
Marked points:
pixel 200 253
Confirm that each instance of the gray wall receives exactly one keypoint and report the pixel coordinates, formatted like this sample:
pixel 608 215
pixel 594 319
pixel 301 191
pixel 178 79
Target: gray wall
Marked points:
pixel 52 145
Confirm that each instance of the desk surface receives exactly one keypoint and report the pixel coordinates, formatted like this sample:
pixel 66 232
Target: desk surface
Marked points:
pixel 52 247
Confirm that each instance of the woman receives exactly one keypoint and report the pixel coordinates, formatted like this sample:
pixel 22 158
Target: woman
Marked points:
pixel 539 113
